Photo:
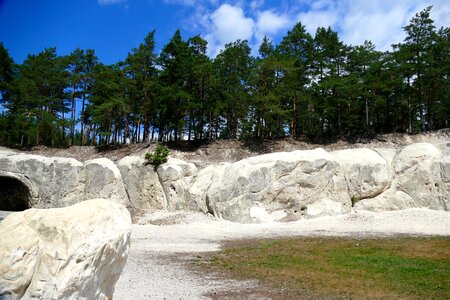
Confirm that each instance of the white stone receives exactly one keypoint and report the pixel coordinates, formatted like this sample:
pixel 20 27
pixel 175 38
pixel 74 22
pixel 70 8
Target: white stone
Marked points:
pixel 76 252
pixel 366 172
pixel 285 185
pixel 176 177
pixel 142 184
pixel 413 155
pixel 421 180
pixel 52 182
pixel 201 183
pixel 103 180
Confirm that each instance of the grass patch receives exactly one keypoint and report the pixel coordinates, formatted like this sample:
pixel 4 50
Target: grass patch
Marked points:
pixel 404 268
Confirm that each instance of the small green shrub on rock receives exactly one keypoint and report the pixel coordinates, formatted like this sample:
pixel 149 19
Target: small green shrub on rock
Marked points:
pixel 159 156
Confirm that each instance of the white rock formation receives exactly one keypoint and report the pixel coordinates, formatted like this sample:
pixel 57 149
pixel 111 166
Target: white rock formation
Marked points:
pixel 76 252
pixel 421 179
pixel 59 182
pixel 277 186
pixel 103 180
pixel 142 183
pixel 201 183
pixel 176 176
pixel 366 172
pixel 280 186
pixel 52 181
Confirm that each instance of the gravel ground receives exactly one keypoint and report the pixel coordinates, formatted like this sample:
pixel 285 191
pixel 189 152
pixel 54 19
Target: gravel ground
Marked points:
pixel 158 265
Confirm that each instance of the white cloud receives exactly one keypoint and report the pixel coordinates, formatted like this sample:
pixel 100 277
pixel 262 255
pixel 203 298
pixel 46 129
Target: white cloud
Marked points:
pixel 182 2
pixel 316 18
pixel 269 22
pixel 109 2
pixel 440 13
pixel 192 3
pixel 255 4
pixel 228 24
pixel 379 21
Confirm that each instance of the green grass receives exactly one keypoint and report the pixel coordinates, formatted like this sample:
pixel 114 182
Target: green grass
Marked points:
pixel 402 268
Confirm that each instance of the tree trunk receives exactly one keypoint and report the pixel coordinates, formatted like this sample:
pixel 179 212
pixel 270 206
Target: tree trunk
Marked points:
pixel 72 126
pixel 409 107
pixel 294 119
pixel 83 139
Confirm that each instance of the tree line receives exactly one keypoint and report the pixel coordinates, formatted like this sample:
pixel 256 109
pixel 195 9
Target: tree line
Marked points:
pixel 307 86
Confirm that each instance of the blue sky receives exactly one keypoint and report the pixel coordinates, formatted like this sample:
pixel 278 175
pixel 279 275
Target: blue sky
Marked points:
pixel 114 27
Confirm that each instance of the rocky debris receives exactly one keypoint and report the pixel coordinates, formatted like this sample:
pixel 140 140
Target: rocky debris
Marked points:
pixel 77 252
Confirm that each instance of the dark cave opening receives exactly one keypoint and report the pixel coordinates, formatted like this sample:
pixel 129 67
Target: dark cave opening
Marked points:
pixel 14 194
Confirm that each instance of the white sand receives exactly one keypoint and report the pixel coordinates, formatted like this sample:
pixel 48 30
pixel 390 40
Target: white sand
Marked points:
pixel 153 273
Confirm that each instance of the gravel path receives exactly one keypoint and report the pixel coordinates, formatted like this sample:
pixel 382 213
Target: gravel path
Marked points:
pixel 158 268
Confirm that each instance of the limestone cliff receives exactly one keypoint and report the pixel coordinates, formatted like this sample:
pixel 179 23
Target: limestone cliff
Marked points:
pixel 281 186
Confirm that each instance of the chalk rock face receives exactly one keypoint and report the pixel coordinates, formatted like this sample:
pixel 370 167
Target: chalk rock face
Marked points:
pixel 445 148
pixel 103 180
pixel 176 176
pixel 142 183
pixel 59 182
pixel 52 181
pixel 280 186
pixel 201 182
pixel 421 179
pixel 75 252
pixel 366 172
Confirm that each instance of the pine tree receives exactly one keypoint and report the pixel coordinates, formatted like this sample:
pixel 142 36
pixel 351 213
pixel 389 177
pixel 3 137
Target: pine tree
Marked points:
pixel 141 68
pixel 233 66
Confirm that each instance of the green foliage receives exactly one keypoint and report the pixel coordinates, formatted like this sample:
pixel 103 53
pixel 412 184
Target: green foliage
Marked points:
pixel 312 86
pixel 159 156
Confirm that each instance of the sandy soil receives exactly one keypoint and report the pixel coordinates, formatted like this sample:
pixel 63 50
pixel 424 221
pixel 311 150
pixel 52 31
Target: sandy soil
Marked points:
pixel 202 153
pixel 161 255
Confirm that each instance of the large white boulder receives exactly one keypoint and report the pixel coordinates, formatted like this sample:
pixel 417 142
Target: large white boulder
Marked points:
pixel 281 187
pixel 142 183
pixel 367 173
pixel 76 252
pixel 421 179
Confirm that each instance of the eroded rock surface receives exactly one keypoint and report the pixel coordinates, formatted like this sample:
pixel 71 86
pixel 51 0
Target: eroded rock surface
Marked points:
pixel 280 186
pixel 366 172
pixel 421 178
pixel 52 181
pixel 176 176
pixel 59 182
pixel 142 184
pixel 283 186
pixel 77 252
pixel 103 179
